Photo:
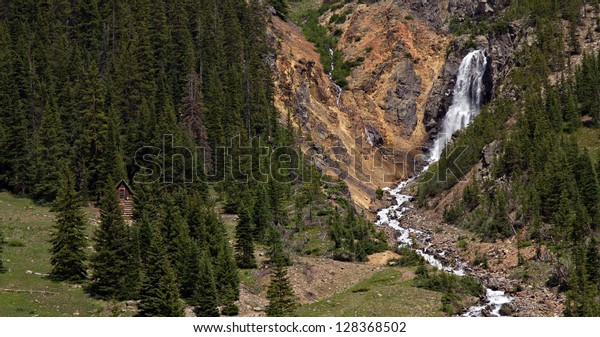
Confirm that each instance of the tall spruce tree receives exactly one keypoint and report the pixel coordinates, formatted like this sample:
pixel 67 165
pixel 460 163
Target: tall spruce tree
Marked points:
pixel 159 293
pixel 144 234
pixel 2 267
pixel 592 263
pixel 588 186
pixel 244 246
pixel 114 258
pixel 276 252
pixel 94 134
pixel 226 271
pixel 68 238
pixel 263 218
pixel 205 296
pixel 48 155
pixel 189 273
pixel 281 7
pixel 282 300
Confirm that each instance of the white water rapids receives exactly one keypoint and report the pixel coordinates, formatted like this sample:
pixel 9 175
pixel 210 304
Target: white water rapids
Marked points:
pixel 338 89
pixel 465 106
pixel 466 102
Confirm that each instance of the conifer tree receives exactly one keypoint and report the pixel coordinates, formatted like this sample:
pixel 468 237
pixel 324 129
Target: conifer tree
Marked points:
pixel 588 186
pixel 111 152
pixel 145 229
pixel 226 271
pixel 2 267
pixel 500 224
pixel 263 218
pixel 190 268
pixel 598 167
pixel 173 224
pixel 581 296
pixel 282 300
pixel 276 252
pixel 281 7
pixel 92 139
pixel 205 295
pixel 592 263
pixel 244 246
pixel 192 111
pixel 159 293
pixel 48 154
pixel 114 258
pixel 563 221
pixel 68 238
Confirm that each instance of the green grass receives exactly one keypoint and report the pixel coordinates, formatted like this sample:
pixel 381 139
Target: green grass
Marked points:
pixel 26 223
pixel 589 138
pixel 385 294
pixel 298 8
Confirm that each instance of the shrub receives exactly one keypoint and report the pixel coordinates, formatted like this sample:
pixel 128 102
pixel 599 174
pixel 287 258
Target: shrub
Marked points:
pixel 379 193
pixel 15 243
pixel 453 213
pixel 409 258
pixel 481 260
pixel 462 244
pixel 524 244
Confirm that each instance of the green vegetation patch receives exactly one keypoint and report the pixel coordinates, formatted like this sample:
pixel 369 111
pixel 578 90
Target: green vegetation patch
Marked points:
pixel 386 293
pixel 24 289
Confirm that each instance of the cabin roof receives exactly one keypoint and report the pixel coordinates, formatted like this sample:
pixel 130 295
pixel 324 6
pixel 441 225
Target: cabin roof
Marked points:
pixel 124 183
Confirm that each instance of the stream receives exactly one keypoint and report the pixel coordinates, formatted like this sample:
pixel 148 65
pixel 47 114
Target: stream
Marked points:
pixel 464 108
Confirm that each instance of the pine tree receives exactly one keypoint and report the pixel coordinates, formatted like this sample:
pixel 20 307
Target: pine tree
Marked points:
pixel 592 263
pixel 159 294
pixel 500 224
pixel 571 113
pixel 192 111
pixel 598 167
pixel 48 154
pixel 205 295
pixel 588 186
pixel 112 152
pixel 229 289
pixel 581 296
pixel 563 221
pixel 2 268
pixel 190 268
pixel 276 251
pixel 145 229
pixel 114 258
pixel 282 300
pixel 281 7
pixel 173 224
pixel 68 238
pixel 263 218
pixel 92 139
pixel 244 246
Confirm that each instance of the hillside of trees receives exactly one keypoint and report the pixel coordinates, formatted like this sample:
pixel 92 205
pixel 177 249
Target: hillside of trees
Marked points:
pixel 176 99
pixel 541 181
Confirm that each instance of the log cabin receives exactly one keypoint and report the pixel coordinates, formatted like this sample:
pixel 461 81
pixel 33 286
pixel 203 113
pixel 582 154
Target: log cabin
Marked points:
pixel 125 199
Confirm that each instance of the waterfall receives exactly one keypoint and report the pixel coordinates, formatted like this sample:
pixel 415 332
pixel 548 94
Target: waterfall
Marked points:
pixel 338 89
pixel 465 106
pixel 466 102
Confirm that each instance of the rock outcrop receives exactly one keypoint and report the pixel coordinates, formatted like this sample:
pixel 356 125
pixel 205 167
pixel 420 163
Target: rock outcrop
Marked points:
pixel 366 132
pixel 372 132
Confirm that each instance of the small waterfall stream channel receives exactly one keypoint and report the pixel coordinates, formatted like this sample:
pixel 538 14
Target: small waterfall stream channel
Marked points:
pixel 464 108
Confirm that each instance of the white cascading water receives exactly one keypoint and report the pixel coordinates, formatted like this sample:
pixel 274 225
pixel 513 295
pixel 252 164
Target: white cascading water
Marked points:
pixel 465 106
pixel 466 102
pixel 338 89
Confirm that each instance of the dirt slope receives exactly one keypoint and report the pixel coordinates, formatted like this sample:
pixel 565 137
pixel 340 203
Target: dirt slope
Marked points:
pixel 369 131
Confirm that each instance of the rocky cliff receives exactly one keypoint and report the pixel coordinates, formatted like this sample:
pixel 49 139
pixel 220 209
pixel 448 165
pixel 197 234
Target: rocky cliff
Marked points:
pixel 372 133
